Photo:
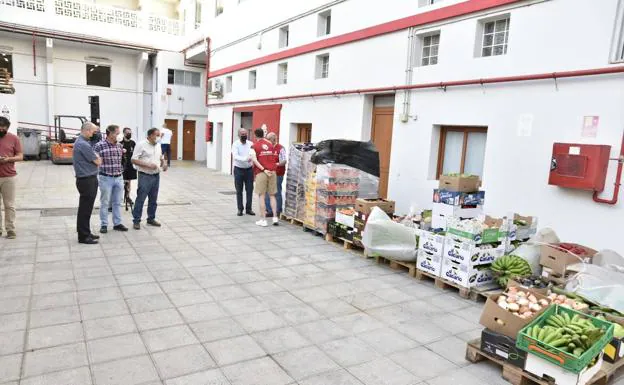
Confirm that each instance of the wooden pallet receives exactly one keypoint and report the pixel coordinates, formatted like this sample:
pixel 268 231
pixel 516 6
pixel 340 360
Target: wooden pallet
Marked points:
pixel 475 293
pixel 346 244
pixel 292 221
pixel 410 267
pixel 517 376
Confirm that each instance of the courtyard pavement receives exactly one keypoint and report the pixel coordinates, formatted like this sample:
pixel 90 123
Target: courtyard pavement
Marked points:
pixel 211 299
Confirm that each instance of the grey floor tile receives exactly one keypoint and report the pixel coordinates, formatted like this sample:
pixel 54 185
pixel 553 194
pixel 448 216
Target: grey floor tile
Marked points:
pixel 387 340
pixel 99 295
pixel 11 322
pixel 149 303
pixel 194 297
pixel 127 371
pixel 11 342
pixel 76 376
pixel 357 323
pixel 490 373
pixel 217 329
pixel 48 301
pixel 322 331
pixel 134 278
pixel 113 348
pixel 261 287
pixel 168 338
pixel 103 309
pixel 54 359
pixel 224 293
pixel 305 362
pixel 158 319
pixel 257 322
pixel 457 376
pixel 202 312
pixel 233 350
pixel 383 372
pixel 423 363
pixel 313 294
pixel 55 335
pixel 453 324
pixel 208 377
pixel 470 335
pixel 451 348
pixel 262 371
pixel 243 306
pixel 338 377
pixel 181 361
pixel 57 316
pixel 333 307
pixel 140 290
pixel 279 299
pixel 349 351
pixel 10 367
pixel 280 340
pixel 108 327
pixel 296 315
pixel 180 285
pixel 421 330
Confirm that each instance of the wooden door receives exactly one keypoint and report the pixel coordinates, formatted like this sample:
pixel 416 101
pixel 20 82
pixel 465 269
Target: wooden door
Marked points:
pixel 188 137
pixel 172 124
pixel 304 133
pixel 381 135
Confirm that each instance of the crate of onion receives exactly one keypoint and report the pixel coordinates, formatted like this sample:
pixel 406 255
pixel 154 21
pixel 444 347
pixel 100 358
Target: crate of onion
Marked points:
pixel 509 312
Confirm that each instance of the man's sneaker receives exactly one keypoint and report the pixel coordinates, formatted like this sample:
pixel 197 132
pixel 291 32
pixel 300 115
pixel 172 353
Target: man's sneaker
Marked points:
pixel 275 221
pixel 153 222
pixel 11 234
pixel 103 230
pixel 262 223
pixel 120 228
pixel 137 226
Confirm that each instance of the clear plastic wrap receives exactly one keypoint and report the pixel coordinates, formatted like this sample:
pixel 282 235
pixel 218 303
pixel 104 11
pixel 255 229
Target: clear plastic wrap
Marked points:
pixel 530 251
pixel 383 236
pixel 599 284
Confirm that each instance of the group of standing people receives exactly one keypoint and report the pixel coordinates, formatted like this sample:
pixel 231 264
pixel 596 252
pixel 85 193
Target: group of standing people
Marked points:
pixel 111 165
pixel 262 162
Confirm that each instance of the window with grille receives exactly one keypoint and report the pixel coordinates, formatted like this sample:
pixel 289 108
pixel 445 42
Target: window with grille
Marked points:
pixel 324 23
pixel 252 79
pixel 228 84
pixel 282 73
pixel 284 33
pixel 430 46
pixel 6 65
pixel 198 13
pixel 98 75
pixel 461 150
pixel 495 37
pixel 183 78
pixel 322 66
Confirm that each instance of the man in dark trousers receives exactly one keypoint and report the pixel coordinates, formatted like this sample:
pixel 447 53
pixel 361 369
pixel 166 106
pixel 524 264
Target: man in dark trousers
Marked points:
pixel 243 172
pixel 86 163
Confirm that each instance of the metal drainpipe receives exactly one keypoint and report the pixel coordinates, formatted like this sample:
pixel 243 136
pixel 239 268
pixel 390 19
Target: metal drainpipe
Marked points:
pixel 408 73
pixel 618 179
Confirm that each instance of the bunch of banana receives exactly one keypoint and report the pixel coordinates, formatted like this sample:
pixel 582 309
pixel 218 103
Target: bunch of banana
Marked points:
pixel 509 266
pixel 573 335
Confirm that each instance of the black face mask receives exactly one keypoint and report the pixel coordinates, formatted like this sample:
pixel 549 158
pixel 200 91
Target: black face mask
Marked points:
pixel 2 133
pixel 243 138
pixel 128 136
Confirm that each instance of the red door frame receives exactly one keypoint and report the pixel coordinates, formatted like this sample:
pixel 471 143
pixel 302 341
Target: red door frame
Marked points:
pixel 265 109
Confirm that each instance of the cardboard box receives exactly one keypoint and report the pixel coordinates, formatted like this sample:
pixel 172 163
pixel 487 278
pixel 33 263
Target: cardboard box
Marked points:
pixel 558 375
pixel 344 219
pixel 496 231
pixel 365 206
pixel 460 183
pixel 465 276
pixel 438 222
pixel 456 211
pixel 522 232
pixel 457 198
pixel 558 259
pixel 614 351
pixel 432 243
pixel 471 254
pixel 428 262
pixel 503 347
pixel 502 321
pixel 542 291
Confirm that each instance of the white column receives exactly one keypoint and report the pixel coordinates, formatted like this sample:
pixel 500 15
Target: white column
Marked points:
pixel 141 64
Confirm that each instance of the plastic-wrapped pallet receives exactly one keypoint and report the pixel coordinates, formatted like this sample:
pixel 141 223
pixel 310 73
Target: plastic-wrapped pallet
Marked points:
pixel 299 169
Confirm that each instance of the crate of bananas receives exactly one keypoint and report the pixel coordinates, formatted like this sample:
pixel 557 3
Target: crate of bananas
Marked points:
pixel 565 337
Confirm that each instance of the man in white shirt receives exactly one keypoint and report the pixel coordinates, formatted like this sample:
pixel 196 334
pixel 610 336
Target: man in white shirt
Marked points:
pixel 165 143
pixel 149 161
pixel 243 172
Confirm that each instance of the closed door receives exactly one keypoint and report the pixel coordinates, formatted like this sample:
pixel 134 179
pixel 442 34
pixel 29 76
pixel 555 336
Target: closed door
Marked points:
pixel 382 138
pixel 172 124
pixel 188 144
pixel 304 133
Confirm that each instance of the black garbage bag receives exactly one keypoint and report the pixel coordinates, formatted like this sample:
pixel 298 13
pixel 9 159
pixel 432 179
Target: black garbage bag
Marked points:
pixel 361 155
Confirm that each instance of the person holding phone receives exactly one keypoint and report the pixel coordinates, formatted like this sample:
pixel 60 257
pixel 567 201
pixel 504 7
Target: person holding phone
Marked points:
pixel 10 152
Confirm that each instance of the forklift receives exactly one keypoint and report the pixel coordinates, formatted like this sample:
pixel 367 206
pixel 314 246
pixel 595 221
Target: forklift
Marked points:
pixel 62 146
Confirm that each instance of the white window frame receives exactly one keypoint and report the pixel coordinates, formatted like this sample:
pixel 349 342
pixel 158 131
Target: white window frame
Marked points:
pixel 282 73
pixel 185 78
pixel 429 46
pixel 617 49
pixel 322 66
pixel 324 23
pixel 228 84
pixel 284 36
pixel 483 35
pixel 253 79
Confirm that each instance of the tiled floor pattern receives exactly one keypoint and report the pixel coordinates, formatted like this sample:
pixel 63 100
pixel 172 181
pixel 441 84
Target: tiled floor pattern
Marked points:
pixel 211 299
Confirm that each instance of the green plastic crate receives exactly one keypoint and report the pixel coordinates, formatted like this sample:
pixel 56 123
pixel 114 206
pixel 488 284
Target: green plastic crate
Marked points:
pixel 557 356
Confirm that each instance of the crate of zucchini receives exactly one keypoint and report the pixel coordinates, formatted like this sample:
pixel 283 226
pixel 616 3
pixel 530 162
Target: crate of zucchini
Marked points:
pixel 566 338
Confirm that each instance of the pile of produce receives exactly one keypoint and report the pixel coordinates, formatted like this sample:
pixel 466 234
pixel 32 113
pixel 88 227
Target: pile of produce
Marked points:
pixel 573 335
pixel 567 300
pixel 521 303
pixel 572 248
pixel 533 281
pixel 510 266
pixel 618 330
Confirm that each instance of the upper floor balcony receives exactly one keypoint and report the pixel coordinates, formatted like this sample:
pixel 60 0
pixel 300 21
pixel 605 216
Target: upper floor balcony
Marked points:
pixel 139 28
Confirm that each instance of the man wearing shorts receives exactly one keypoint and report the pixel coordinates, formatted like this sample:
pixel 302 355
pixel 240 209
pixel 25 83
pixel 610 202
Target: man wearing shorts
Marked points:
pixel 265 162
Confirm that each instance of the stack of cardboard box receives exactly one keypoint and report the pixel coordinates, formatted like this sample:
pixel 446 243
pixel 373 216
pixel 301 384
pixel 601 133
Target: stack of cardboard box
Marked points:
pixel 457 197
pixel 299 169
pixel 337 188
pixel 556 258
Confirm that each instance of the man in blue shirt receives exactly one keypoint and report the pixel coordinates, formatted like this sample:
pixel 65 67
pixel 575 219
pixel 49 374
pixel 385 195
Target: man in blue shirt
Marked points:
pixel 243 172
pixel 86 163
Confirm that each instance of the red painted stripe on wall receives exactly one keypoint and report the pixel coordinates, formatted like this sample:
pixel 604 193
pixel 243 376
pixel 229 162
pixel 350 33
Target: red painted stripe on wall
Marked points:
pixel 436 15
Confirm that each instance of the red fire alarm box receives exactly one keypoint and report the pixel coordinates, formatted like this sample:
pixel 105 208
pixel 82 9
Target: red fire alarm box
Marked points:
pixel 579 166
pixel 208 132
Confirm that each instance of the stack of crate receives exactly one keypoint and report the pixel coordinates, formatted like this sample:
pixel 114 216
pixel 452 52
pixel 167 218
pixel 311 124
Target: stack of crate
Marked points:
pixel 299 169
pixel 6 83
pixel 337 188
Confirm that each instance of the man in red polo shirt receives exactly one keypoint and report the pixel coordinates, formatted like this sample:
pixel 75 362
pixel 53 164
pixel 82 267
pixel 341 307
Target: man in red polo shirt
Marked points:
pixel 10 152
pixel 265 160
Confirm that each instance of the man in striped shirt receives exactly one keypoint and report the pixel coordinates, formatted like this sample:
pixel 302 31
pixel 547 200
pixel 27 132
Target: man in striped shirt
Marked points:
pixel 110 178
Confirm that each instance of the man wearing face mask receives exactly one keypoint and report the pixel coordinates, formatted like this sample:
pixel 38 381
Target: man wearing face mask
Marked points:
pixel 243 172
pixel 10 152
pixel 129 173
pixel 110 179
